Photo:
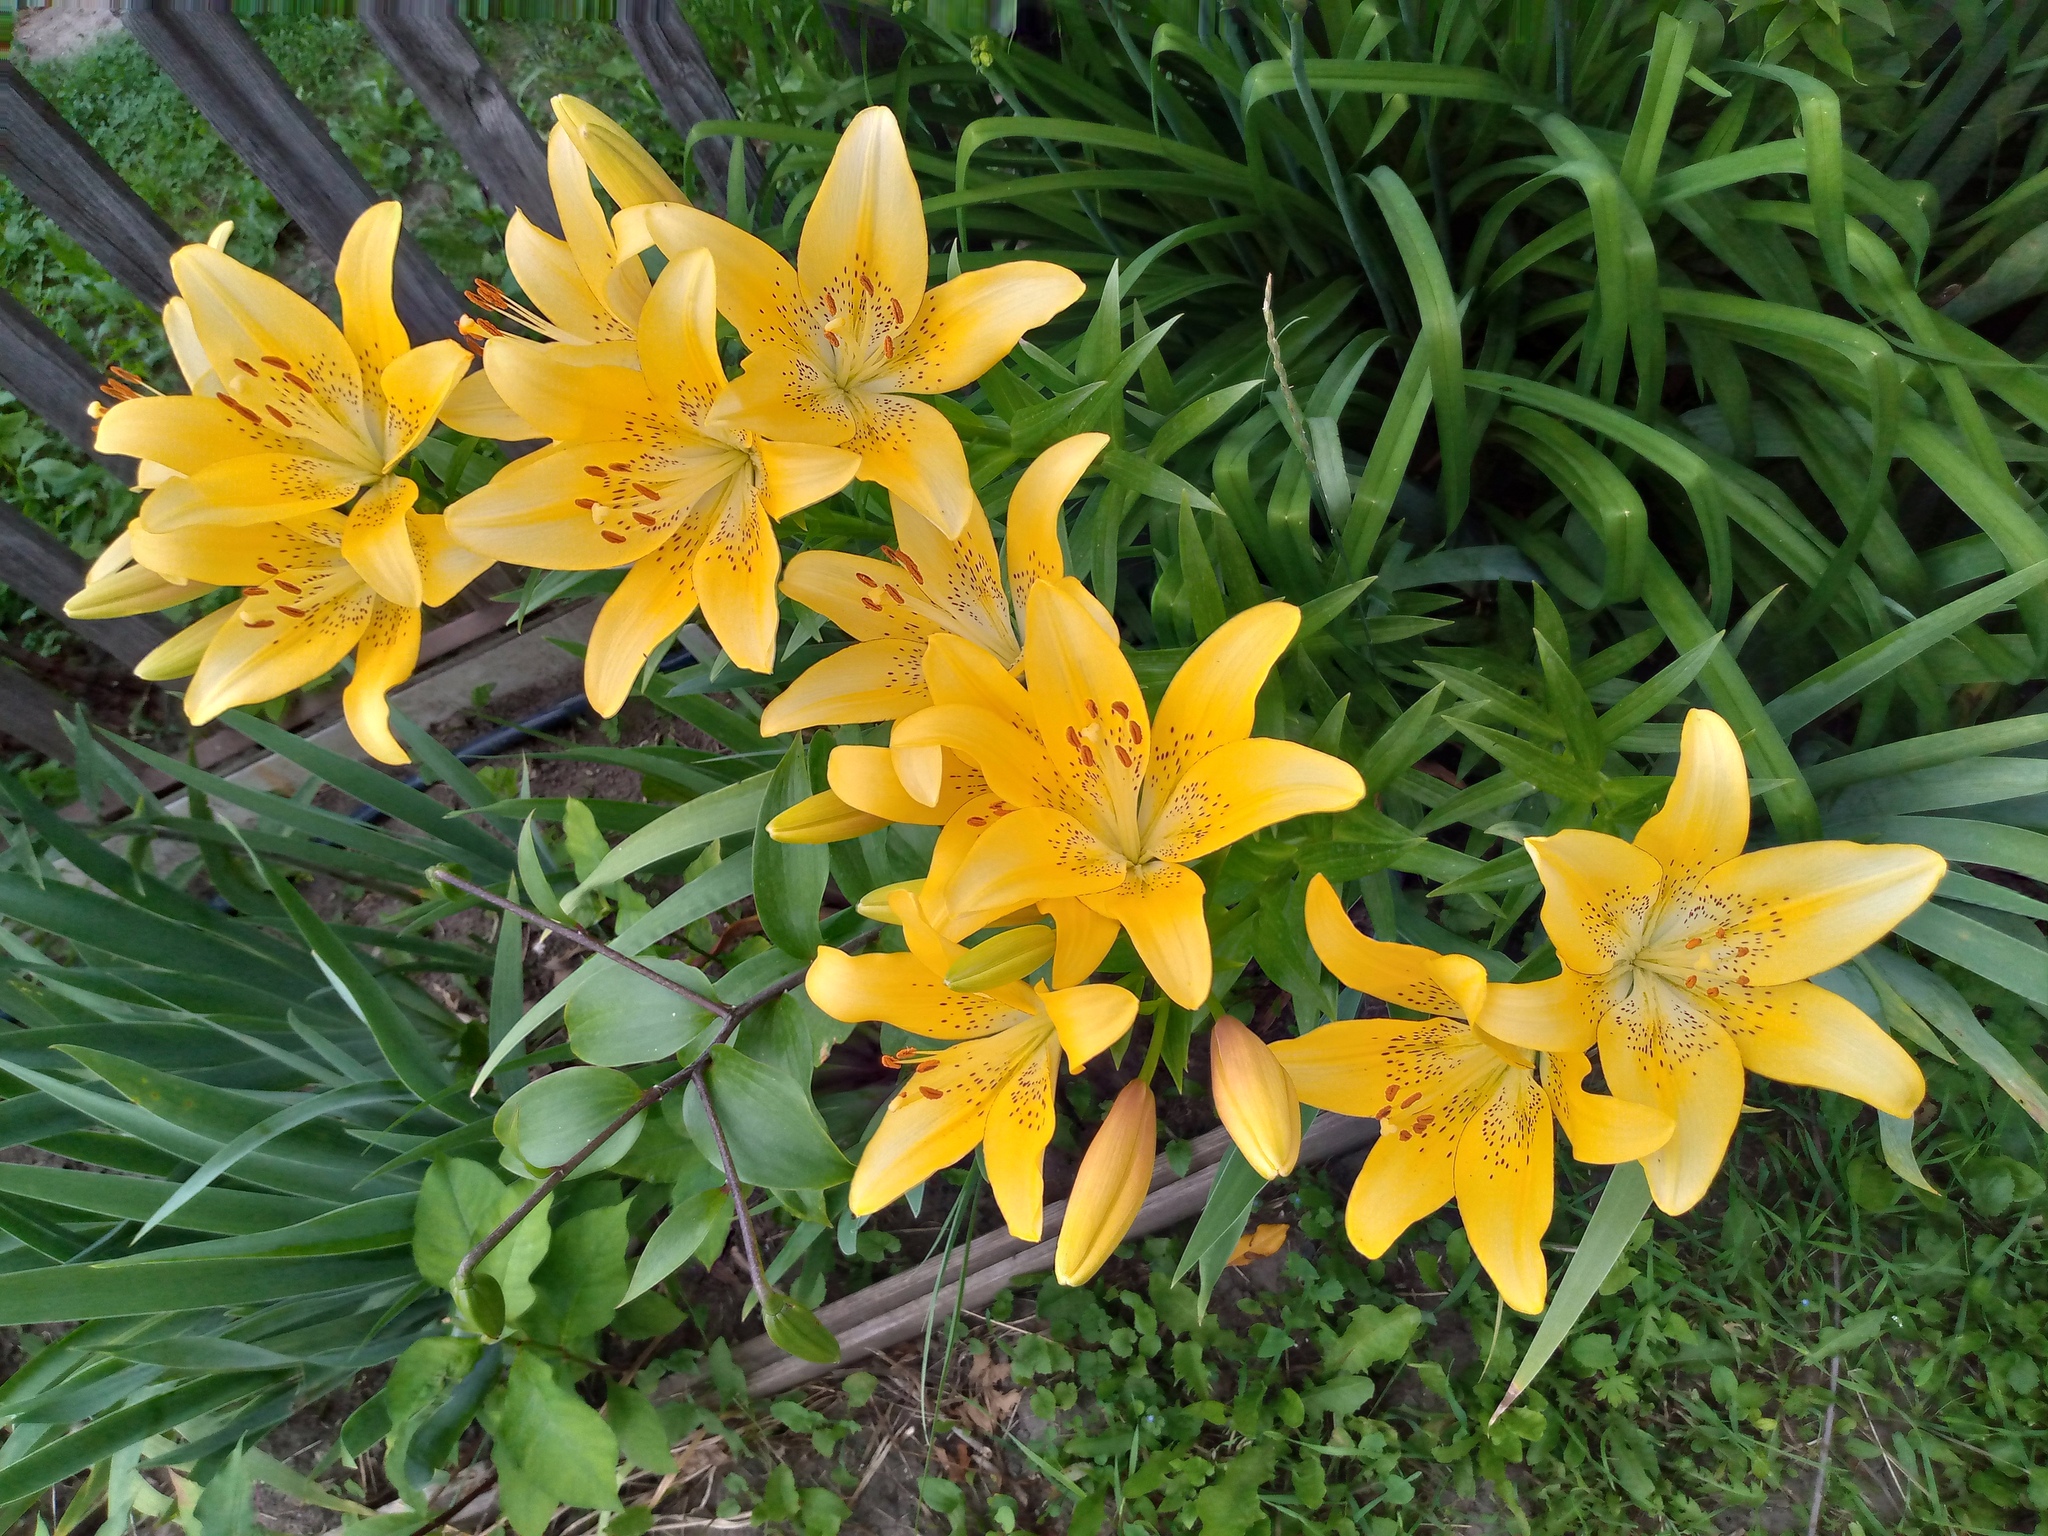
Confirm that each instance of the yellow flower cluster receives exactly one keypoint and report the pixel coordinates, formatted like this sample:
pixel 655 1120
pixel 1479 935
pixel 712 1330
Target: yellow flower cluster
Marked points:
pixel 1068 812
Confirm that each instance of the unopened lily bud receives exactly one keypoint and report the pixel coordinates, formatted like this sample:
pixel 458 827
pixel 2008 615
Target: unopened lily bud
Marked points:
pixel 877 906
pixel 1255 1098
pixel 623 168
pixel 131 589
pixel 824 818
pixel 996 962
pixel 180 655
pixel 1115 1173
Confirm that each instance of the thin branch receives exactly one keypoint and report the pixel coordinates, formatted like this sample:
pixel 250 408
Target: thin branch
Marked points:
pixel 577 936
pixel 1294 415
pixel 733 1017
pixel 748 1242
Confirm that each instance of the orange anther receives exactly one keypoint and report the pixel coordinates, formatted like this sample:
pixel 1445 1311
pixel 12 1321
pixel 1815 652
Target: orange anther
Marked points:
pixel 609 537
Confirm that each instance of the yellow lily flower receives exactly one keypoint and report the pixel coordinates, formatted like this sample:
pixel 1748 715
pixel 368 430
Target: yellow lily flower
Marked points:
pixel 1109 1187
pixel 1255 1100
pixel 929 585
pixel 311 594
pixel 301 415
pixel 841 344
pixel 578 292
pixel 1096 803
pixel 1688 959
pixel 1462 1112
pixel 639 475
pixel 994 1088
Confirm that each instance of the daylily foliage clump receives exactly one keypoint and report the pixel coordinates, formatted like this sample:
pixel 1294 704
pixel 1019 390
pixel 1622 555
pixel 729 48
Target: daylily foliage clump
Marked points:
pixel 1076 798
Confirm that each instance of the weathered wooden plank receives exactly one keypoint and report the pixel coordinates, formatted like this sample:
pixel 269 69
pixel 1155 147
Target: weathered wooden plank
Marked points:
pixel 227 77
pixel 45 375
pixel 432 52
pixel 28 711
pixel 35 565
pixel 673 61
pixel 62 175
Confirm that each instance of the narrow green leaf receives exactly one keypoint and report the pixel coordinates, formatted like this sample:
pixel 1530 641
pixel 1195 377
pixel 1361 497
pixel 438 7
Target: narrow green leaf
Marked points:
pixel 1441 339
pixel 789 878
pixel 1623 1204
pixel 722 813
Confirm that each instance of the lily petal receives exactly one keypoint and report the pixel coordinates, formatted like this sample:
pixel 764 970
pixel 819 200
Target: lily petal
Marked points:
pixel 587 233
pixel 569 397
pixel 1666 1052
pixel 258 656
pixel 1020 1124
pixel 1802 1033
pixel 1210 701
pixel 865 778
pixel 1705 819
pixel 385 657
pixel 186 433
pixel 959 576
pixel 864 237
pixel 1809 907
pixel 1597 893
pixel 874 680
pixel 940 1115
pixel 1081 937
pixel 1031 536
pixel 1160 907
pixel 757 288
pixel 658 594
pixel 868 598
pixel 528 513
pixel 821 818
pixel 1089 711
pixel 968 325
pixel 554 282
pixel 1601 1128
pixel 475 406
pixel 1032 854
pixel 1401 1182
pixel 1505 1178
pixel 1447 986
pixel 628 172
pixel 1243 787
pixel 378 542
pixel 446 567
pixel 1394 1069
pixel 783 395
pixel 798 475
pixel 679 338
pixel 255 488
pixel 362 276
pixel 1089 1020
pixel 909 447
pixel 129 590
pixel 415 387
pixel 900 989
pixel 1014 764
pixel 736 567
pixel 958 671
pixel 1557 1014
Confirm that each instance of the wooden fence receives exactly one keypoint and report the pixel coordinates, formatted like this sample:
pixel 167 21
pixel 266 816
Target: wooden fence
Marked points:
pixel 208 55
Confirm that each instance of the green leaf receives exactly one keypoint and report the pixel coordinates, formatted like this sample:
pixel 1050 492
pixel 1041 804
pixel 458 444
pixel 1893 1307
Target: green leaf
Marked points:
pixel 772 1129
pixel 620 1019
pixel 1552 774
pixel 533 876
pixel 413 1062
pixel 460 1203
pixel 694 1222
pixel 1623 1204
pixel 165 1283
pixel 1372 1337
pixel 1442 339
pixel 1998 957
pixel 722 813
pixel 643 1438
pixel 581 1282
pixel 1895 1135
pixel 549 1121
pixel 789 878
pixel 111 1432
pixel 1231 1198
pixel 556 1439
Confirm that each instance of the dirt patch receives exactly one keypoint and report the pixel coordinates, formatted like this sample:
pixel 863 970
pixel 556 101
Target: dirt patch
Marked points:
pixel 62 31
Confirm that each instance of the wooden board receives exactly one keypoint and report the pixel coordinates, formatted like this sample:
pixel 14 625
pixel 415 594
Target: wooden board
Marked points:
pixel 432 52
pixel 28 711
pixel 40 568
pixel 49 378
pixel 60 173
pixel 673 61
pixel 227 77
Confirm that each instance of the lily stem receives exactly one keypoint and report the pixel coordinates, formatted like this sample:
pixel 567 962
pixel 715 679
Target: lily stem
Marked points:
pixel 748 1242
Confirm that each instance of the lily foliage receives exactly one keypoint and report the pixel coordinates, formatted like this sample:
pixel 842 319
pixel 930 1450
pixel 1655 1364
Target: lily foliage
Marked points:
pixel 1324 517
